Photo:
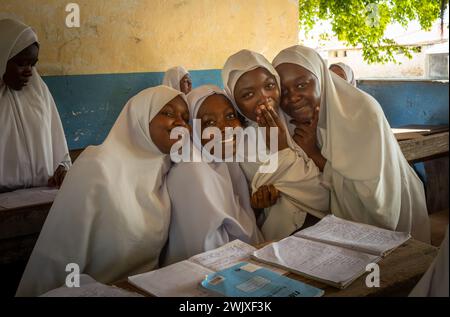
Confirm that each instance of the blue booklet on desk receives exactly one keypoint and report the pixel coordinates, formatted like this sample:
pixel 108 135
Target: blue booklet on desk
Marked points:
pixel 249 280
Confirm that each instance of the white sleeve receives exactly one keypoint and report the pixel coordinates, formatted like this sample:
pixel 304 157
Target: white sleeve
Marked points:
pixel 298 179
pixel 376 202
pixel 299 182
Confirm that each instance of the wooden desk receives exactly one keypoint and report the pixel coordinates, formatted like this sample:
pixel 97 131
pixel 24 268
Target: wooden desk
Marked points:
pixel 20 228
pixel 425 148
pixel 399 273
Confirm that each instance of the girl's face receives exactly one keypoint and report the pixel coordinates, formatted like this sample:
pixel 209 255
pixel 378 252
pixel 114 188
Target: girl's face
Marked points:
pixel 186 84
pixel 19 68
pixel 174 114
pixel 217 111
pixel 255 88
pixel 300 92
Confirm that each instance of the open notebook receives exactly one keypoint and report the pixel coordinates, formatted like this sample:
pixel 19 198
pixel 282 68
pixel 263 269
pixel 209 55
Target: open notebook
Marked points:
pixel 334 251
pixel 182 279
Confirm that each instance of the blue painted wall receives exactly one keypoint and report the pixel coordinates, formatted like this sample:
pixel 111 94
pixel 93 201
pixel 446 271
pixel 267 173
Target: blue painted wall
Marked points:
pixel 410 102
pixel 89 104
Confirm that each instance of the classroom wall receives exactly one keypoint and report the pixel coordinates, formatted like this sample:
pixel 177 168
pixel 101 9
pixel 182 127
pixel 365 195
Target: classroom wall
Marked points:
pixel 410 101
pixel 127 36
pixel 124 46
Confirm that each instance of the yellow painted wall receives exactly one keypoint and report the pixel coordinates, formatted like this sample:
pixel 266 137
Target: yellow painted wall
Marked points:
pixel 123 36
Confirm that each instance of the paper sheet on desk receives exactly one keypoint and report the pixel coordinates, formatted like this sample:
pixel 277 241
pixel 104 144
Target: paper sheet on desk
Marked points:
pixel 90 288
pixel 28 197
pixel 317 260
pixel 355 236
pixel 181 279
pixel 230 254
pixel 403 130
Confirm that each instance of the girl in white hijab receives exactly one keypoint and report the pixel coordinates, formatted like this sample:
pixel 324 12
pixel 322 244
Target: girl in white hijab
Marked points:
pixel 178 78
pixel 33 148
pixel 344 71
pixel 369 178
pixel 210 201
pixel 111 216
pixel 253 86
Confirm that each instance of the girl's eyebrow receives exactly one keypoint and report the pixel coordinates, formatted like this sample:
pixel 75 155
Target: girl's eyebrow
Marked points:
pixel 245 89
pixel 301 77
pixel 207 116
pixel 167 107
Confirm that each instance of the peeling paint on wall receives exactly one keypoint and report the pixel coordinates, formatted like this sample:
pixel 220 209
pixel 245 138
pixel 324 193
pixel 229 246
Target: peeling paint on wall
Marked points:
pixel 127 36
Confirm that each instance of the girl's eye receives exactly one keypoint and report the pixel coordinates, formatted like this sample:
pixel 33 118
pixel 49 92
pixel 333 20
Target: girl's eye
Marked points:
pixel 168 114
pixel 270 86
pixel 231 116
pixel 301 85
pixel 209 123
pixel 247 95
pixel 21 63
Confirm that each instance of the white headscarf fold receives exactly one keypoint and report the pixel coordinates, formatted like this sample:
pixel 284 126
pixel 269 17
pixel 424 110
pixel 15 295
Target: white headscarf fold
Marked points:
pixel 210 201
pixel 297 178
pixel 173 76
pixel 348 72
pixel 112 213
pixel 32 144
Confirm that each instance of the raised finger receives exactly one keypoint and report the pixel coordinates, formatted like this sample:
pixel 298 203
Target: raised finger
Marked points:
pixel 267 115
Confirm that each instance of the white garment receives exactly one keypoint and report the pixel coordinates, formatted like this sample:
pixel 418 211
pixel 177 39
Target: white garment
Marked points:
pixel 173 76
pixel 210 201
pixel 111 215
pixel 434 283
pixel 348 73
pixel 297 178
pixel 369 178
pixel 32 141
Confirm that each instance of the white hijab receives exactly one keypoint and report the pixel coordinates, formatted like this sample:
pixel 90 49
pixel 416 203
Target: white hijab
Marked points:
pixel 434 283
pixel 296 177
pixel 210 201
pixel 348 72
pixel 173 76
pixel 111 216
pixel 32 141
pixel 372 181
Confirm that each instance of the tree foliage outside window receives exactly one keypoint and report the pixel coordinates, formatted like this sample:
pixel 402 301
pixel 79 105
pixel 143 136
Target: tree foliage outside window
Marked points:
pixel 363 22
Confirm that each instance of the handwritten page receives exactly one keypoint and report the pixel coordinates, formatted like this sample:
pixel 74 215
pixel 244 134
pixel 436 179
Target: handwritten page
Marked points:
pixel 28 197
pixel 356 236
pixel 181 279
pixel 327 263
pixel 90 288
pixel 228 255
